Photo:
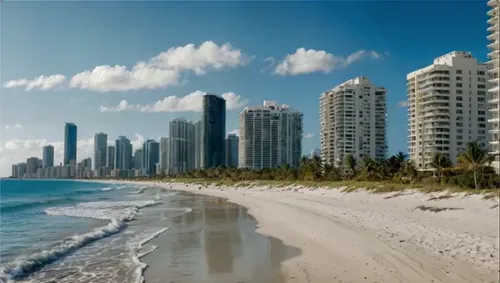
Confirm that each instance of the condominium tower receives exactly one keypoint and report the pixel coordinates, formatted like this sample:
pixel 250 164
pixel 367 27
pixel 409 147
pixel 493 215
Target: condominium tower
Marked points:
pixel 197 144
pixel 123 154
pixel 493 75
pixel 213 132
pixel 353 121
pixel 100 147
pixel 110 160
pixel 232 142
pixel 182 146
pixel 48 156
pixel 165 155
pixel 70 140
pixel 446 107
pixel 270 136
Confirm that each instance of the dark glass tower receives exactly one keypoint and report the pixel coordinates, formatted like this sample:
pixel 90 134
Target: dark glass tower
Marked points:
pixel 213 131
pixel 70 139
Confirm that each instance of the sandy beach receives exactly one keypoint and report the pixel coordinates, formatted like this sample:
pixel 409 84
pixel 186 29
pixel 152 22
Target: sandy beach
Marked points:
pixel 364 237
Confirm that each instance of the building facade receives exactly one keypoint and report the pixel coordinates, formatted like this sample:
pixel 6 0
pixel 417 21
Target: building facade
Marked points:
pixel 152 156
pixel 197 144
pixel 353 121
pixel 110 159
pixel 447 107
pixel 100 150
pixel 182 146
pixel 138 154
pixel 493 76
pixel 165 155
pixel 48 156
pixel 70 140
pixel 123 154
pixel 213 132
pixel 270 136
pixel 232 145
pixel 32 164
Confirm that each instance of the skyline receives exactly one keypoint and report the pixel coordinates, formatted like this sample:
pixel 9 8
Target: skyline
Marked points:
pixel 241 70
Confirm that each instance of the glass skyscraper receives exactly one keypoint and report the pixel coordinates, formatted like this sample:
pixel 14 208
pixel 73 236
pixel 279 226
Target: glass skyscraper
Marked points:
pixel 100 147
pixel 123 153
pixel 213 131
pixel 152 156
pixel 48 156
pixel 232 142
pixel 70 139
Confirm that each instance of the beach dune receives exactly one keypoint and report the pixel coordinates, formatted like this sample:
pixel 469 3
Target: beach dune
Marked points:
pixel 407 237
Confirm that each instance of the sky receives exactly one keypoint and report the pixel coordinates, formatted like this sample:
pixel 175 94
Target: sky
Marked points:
pixel 128 68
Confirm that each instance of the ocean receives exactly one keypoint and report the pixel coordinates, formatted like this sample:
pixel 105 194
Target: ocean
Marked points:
pixel 64 231
pixel 78 232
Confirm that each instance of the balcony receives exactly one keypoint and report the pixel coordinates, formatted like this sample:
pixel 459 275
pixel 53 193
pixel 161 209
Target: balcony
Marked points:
pixel 493 36
pixel 493 21
pixel 493 45
pixel 493 3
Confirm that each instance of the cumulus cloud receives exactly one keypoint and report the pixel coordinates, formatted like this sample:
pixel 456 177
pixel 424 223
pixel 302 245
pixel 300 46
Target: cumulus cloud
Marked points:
pixel 309 61
pixel 403 104
pixel 17 150
pixel 234 132
pixel 159 72
pixel 39 83
pixel 189 103
pixel 308 135
pixel 15 126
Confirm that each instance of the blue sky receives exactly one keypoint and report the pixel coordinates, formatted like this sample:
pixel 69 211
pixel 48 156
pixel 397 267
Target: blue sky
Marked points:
pixel 386 40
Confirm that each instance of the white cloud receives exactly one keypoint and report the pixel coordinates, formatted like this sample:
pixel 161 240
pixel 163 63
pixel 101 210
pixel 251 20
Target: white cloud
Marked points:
pixel 159 72
pixel 234 132
pixel 40 83
pixel 308 135
pixel 189 103
pixel 309 61
pixel 15 151
pixel 15 126
pixel 403 104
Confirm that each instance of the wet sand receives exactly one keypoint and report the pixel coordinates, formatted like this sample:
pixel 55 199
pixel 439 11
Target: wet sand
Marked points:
pixel 215 242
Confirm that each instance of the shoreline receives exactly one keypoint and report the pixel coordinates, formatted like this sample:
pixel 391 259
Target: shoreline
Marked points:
pixel 404 236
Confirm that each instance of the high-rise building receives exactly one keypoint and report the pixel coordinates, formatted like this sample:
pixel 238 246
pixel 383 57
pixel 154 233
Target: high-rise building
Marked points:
pixel 213 131
pixel 270 136
pixel 138 158
pixel 197 144
pixel 353 121
pixel 32 164
pixel 123 154
pixel 100 147
pixel 48 156
pixel 446 107
pixel 110 160
pixel 182 146
pixel 14 173
pixel 493 76
pixel 315 153
pixel 21 170
pixel 152 156
pixel 232 142
pixel 165 155
pixel 70 140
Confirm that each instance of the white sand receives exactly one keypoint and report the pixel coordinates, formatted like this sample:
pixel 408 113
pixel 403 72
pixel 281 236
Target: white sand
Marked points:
pixel 362 237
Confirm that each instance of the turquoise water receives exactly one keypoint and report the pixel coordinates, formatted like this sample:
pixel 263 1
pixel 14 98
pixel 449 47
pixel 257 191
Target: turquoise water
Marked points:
pixel 62 231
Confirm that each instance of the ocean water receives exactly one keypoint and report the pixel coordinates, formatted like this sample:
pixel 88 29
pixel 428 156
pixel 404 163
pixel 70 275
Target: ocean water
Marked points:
pixel 66 231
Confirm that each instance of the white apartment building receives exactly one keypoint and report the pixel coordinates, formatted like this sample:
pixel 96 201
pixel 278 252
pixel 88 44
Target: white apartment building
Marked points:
pixel 353 121
pixel 446 107
pixel 270 136
pixel 493 76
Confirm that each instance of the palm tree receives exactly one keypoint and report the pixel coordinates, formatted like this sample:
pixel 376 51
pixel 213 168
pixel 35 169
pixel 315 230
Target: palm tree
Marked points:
pixel 473 158
pixel 401 157
pixel 351 163
pixel 410 171
pixel 440 162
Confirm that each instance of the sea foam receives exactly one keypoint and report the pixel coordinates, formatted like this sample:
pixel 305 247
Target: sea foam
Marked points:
pixel 118 213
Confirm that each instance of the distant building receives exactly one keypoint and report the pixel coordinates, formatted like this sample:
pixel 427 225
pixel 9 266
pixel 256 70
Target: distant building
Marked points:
pixel 182 147
pixel 447 107
pixel 197 144
pixel 213 131
pixel 48 156
pixel 70 140
pixel 270 136
pixel 232 142
pixel 21 170
pixel 100 148
pixel 316 152
pixel 110 160
pixel 165 155
pixel 14 173
pixel 353 121
pixel 123 154
pixel 32 164
pixel 152 156
pixel 138 158
pixel 494 80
